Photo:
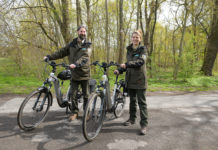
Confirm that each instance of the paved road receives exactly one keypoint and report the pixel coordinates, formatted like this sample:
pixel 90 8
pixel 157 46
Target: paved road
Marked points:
pixel 176 122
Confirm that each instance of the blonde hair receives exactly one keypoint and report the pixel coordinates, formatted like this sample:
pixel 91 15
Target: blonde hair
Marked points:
pixel 138 32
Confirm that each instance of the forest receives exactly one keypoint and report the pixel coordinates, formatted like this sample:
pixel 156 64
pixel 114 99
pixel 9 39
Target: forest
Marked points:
pixel 181 36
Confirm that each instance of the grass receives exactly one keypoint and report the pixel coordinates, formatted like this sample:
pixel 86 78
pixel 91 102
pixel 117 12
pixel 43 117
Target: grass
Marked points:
pixel 12 81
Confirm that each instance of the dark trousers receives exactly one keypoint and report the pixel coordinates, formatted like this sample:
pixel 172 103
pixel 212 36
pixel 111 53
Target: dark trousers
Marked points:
pixel 85 91
pixel 140 95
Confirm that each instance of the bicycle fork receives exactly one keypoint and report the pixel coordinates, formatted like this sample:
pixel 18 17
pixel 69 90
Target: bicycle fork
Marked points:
pixel 42 103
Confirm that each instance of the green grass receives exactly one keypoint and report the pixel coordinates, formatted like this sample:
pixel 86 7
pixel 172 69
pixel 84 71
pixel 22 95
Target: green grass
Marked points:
pixel 13 81
pixel 194 83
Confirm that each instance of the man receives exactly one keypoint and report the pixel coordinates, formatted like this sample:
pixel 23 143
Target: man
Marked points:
pixel 78 52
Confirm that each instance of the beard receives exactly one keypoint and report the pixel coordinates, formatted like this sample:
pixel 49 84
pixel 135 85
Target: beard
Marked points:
pixel 82 37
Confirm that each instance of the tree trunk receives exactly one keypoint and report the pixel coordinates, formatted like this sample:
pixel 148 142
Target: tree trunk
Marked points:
pixel 66 21
pixel 177 66
pixel 121 32
pixel 88 19
pixel 212 44
pixel 138 13
pixel 106 31
pixel 152 37
pixel 64 24
pixel 118 34
pixel 78 13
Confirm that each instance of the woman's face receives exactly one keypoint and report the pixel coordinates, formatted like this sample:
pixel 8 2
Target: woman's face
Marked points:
pixel 136 39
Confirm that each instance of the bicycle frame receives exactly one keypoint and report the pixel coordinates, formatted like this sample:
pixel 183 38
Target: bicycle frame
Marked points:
pixel 106 86
pixel 62 102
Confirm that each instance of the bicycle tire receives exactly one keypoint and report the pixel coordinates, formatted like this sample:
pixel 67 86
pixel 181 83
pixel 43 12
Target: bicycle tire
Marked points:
pixel 28 117
pixel 93 116
pixel 120 102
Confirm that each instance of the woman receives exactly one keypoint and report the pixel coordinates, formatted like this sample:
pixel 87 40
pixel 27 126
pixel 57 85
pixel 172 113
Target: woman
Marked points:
pixel 136 83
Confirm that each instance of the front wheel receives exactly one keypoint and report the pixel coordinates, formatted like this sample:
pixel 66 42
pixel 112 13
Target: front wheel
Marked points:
pixel 33 110
pixel 120 102
pixel 93 116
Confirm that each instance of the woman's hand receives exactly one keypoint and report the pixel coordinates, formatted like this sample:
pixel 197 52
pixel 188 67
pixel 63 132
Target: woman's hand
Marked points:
pixel 116 72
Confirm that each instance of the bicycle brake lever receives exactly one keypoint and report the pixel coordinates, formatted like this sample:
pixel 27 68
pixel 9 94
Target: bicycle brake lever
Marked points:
pixel 111 63
pixel 95 63
pixel 52 63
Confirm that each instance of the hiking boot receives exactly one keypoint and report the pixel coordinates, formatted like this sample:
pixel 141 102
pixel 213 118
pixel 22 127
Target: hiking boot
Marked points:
pixel 129 122
pixel 73 117
pixel 143 131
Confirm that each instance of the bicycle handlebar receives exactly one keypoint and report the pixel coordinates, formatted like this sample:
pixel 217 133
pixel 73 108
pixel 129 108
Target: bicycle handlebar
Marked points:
pixel 102 65
pixel 105 65
pixel 53 64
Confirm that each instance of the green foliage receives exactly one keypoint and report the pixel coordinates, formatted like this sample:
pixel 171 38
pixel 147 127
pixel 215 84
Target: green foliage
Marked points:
pixel 202 81
pixel 12 81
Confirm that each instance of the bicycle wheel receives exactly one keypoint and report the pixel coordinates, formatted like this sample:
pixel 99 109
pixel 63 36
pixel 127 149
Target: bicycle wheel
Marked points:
pixel 93 116
pixel 33 110
pixel 120 102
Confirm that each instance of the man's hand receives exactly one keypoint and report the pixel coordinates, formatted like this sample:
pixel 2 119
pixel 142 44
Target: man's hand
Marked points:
pixel 123 66
pixel 46 58
pixel 72 66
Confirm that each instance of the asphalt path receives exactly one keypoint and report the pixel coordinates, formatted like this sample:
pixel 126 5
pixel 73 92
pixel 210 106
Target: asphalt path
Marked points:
pixel 177 121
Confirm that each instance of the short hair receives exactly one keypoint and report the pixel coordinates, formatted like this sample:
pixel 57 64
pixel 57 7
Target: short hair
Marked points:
pixel 81 26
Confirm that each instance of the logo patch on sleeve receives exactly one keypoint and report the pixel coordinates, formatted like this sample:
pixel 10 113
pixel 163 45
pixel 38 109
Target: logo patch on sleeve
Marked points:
pixel 144 56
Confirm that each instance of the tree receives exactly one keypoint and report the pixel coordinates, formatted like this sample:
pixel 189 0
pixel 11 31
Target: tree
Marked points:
pixel 78 13
pixel 177 65
pixel 121 32
pixel 150 22
pixel 106 31
pixel 212 44
pixel 65 22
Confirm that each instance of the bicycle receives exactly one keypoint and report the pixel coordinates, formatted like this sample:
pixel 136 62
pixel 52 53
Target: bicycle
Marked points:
pixel 101 102
pixel 35 107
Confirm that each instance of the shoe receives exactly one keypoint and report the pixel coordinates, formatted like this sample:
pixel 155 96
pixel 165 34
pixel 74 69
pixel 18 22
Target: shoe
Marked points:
pixel 73 117
pixel 143 131
pixel 129 122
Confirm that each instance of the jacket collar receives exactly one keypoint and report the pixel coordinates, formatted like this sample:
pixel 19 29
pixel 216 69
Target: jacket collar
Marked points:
pixel 130 47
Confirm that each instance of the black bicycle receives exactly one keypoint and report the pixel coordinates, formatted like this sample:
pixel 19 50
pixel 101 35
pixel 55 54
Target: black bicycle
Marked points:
pixel 35 107
pixel 101 102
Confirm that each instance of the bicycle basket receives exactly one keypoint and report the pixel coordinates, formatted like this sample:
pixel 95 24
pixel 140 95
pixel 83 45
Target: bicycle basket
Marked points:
pixel 65 75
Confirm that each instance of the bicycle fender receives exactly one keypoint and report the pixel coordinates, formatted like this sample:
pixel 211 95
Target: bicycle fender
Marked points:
pixel 45 89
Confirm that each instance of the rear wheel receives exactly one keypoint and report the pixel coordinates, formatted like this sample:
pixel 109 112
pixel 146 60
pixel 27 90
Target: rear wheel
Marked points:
pixel 120 102
pixel 93 116
pixel 33 110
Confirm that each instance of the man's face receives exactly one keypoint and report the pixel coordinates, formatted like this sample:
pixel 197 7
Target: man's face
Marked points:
pixel 82 33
